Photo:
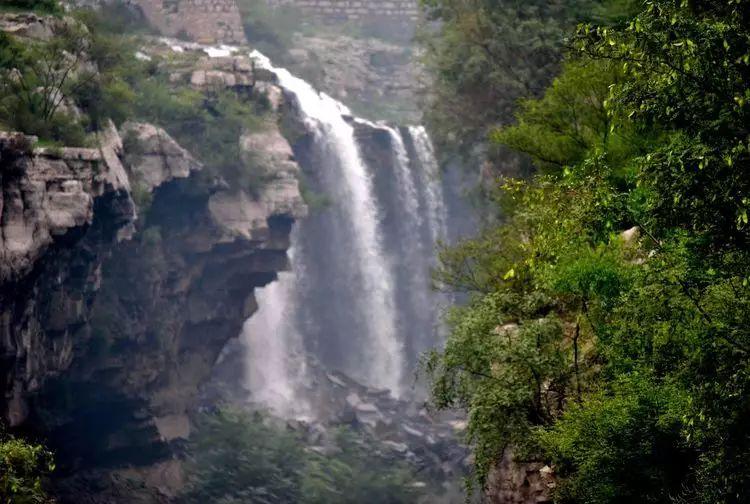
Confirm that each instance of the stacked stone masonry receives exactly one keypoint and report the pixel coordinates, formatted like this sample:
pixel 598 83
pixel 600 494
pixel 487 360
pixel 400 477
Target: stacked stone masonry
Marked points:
pixel 356 10
pixel 206 21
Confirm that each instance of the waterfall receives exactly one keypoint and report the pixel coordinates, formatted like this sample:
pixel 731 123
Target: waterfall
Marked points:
pixel 358 298
pixel 430 179
pixel 276 368
pixel 351 185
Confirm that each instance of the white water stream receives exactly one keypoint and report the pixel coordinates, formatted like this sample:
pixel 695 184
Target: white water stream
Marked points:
pixel 358 297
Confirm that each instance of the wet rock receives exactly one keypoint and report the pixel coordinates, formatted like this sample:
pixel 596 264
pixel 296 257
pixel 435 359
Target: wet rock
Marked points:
pixel 335 380
pixel 397 447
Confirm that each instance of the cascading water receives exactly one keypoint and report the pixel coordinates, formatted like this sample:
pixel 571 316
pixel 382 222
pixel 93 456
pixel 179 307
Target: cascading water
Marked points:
pixel 276 368
pixel 351 186
pixel 430 180
pixel 358 297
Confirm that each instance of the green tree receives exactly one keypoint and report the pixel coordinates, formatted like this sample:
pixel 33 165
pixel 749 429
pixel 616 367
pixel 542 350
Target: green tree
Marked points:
pixel 37 77
pixel 484 56
pixel 646 128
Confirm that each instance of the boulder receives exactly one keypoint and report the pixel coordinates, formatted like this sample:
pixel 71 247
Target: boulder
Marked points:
pixel 153 157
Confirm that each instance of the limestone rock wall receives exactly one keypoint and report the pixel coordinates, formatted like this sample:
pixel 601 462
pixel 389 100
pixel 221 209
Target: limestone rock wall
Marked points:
pixel 111 317
pixel 50 199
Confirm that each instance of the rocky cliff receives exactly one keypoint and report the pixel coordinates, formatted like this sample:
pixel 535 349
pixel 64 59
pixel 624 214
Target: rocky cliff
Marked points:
pixel 124 272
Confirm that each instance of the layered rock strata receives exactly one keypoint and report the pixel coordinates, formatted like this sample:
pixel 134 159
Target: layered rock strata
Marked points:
pixel 347 10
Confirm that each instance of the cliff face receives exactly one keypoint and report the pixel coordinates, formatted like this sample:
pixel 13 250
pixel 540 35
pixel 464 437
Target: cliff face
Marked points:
pixel 111 313
pixel 59 211
pixel 520 482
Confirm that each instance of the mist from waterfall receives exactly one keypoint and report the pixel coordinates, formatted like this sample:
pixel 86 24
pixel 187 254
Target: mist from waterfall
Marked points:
pixel 358 298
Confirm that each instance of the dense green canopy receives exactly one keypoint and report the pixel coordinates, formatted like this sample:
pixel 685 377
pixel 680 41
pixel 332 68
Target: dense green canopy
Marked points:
pixel 607 330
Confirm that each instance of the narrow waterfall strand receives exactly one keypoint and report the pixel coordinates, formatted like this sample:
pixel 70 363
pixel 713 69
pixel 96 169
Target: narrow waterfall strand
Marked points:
pixel 431 178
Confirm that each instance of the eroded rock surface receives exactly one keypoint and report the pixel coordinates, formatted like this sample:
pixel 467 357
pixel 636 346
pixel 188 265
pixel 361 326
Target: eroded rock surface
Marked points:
pixel 153 157
pixel 514 481
pixel 379 79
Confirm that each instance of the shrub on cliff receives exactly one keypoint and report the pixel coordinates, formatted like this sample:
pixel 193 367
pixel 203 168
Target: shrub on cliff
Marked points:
pixel 22 469
pixel 35 79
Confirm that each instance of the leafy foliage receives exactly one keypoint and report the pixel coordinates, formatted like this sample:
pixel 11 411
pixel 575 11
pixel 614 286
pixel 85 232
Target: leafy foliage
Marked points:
pixel 22 467
pixel 630 248
pixel 485 56
pixel 36 77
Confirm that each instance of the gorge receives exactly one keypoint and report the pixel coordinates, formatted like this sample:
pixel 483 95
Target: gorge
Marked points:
pixel 231 278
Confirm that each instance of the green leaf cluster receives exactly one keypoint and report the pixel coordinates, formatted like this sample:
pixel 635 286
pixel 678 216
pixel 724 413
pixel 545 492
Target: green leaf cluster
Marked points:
pixel 22 468
pixel 35 79
pixel 485 56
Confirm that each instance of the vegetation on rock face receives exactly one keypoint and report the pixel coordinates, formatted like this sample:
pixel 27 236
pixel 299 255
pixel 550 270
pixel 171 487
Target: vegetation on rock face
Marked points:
pixel 22 467
pixel 36 77
pixel 86 74
pixel 241 457
pixel 607 328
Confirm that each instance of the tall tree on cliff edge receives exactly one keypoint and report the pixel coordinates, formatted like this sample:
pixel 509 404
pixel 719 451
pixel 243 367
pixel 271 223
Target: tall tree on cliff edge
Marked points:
pixel 621 358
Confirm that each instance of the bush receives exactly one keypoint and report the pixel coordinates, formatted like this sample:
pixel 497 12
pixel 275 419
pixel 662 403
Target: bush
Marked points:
pixel 34 78
pixel 236 457
pixel 22 468
pixel 623 446
pixel 61 128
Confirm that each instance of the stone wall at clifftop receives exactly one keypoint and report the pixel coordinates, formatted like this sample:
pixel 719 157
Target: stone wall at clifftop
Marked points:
pixel 356 10
pixel 206 21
